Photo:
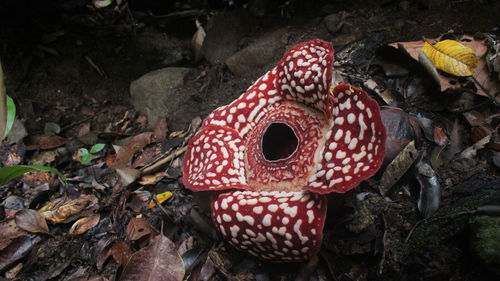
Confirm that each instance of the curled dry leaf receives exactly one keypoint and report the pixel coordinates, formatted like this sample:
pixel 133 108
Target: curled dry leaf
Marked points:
pixel 60 211
pixel 452 57
pixel 127 175
pixel 398 167
pixel 158 261
pixel 125 153
pixel 84 224
pixel 430 189
pixel 138 228
pixel 32 221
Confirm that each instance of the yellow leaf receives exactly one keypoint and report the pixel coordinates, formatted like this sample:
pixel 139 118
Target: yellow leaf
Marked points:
pixel 452 57
pixel 161 198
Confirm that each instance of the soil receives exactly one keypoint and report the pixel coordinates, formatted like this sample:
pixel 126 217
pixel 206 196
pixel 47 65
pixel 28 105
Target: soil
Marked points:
pixel 68 63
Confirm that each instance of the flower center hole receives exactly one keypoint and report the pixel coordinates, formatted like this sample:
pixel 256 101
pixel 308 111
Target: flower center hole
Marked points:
pixel 279 142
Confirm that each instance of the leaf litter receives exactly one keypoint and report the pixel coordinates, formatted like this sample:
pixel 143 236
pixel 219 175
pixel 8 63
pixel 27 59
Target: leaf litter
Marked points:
pixel 109 214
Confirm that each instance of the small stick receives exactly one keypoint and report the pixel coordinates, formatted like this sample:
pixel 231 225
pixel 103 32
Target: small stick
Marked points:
pixel 493 97
pixel 384 247
pixel 163 161
pixel 96 67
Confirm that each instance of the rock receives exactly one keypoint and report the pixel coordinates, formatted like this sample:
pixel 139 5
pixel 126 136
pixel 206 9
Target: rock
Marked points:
pixel 17 133
pixel 258 56
pixel 333 23
pixel 402 128
pixel 158 93
pixel 485 238
pixel 224 33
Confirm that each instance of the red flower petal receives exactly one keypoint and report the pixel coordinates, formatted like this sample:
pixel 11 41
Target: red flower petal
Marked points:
pixel 355 143
pixel 214 160
pixel 276 226
pixel 305 74
pixel 247 110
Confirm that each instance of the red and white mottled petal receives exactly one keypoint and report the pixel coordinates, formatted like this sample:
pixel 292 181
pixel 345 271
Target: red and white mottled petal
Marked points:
pixel 247 110
pixel 214 160
pixel 355 143
pixel 275 226
pixel 305 74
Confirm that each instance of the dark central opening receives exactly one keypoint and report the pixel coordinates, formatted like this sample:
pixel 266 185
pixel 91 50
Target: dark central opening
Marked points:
pixel 279 142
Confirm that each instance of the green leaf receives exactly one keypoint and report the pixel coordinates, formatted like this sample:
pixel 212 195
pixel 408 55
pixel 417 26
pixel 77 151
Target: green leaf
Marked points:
pixel 85 156
pixel 9 173
pixel 11 115
pixel 97 147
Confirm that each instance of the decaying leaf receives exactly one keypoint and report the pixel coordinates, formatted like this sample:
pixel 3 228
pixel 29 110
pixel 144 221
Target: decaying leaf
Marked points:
pixel 158 261
pixel 137 228
pixel 481 73
pixel 440 137
pixel 61 211
pixel 9 231
pixel 398 167
pixel 45 142
pixel 127 175
pixel 197 41
pixel 430 189
pixel 125 153
pixel 452 57
pixel 84 224
pixel 32 221
pixel 471 151
pixel 121 252
pixel 19 248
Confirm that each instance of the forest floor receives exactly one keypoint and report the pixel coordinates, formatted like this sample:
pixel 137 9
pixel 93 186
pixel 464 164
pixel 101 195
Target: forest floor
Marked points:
pixel 79 77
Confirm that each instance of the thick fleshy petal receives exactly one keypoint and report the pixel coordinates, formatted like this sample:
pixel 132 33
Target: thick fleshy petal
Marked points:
pixel 276 226
pixel 214 160
pixel 305 74
pixel 355 142
pixel 247 110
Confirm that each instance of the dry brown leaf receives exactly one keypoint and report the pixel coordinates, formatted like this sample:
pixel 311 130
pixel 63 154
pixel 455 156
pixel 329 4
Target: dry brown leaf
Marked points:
pixel 398 167
pixel 471 151
pixel 197 41
pixel 160 130
pixel 9 231
pixel 440 137
pixel 159 261
pixel 138 228
pixel 127 175
pixel 36 178
pixel 482 73
pixel 84 224
pixel 60 211
pixel 125 153
pixel 121 252
pixel 46 142
pixel 32 221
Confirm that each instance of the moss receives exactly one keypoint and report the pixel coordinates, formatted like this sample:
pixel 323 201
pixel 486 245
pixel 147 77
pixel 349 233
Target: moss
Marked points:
pixel 485 238
pixel 439 231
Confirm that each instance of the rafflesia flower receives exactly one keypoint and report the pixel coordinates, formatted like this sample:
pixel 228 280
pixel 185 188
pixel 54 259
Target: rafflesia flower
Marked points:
pixel 289 139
